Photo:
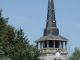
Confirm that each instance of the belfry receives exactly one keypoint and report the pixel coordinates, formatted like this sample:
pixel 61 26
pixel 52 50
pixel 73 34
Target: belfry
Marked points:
pixel 52 45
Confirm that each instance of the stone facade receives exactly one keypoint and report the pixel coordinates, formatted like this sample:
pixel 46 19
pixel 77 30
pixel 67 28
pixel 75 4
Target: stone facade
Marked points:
pixel 52 54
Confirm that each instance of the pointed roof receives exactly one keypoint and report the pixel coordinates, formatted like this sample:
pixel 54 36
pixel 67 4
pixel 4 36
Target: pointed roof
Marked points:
pixel 51 32
pixel 51 37
pixel 51 21
pixel 51 27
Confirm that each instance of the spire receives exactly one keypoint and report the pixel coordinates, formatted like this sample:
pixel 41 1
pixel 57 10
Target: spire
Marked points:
pixel 51 21
pixel 51 27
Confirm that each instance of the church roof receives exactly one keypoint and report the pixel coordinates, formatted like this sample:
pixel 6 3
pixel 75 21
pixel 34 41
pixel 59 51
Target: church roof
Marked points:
pixel 52 37
pixel 51 32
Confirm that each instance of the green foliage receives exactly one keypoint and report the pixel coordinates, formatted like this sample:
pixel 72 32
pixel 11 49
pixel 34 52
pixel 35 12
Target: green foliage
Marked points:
pixel 15 44
pixel 75 55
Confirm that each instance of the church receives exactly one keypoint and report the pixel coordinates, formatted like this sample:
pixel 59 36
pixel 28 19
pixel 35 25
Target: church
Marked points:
pixel 52 45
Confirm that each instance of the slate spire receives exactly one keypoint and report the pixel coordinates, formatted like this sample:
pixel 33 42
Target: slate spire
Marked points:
pixel 51 27
pixel 51 21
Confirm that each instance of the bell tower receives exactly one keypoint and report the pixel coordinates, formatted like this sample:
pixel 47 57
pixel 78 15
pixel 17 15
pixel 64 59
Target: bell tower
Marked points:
pixel 52 45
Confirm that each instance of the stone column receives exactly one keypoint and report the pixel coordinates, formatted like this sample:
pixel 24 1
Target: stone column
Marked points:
pixel 53 44
pixel 59 44
pixel 47 43
pixel 43 44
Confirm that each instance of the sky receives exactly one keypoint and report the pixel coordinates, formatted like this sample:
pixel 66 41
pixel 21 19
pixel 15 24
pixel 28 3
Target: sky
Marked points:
pixel 31 15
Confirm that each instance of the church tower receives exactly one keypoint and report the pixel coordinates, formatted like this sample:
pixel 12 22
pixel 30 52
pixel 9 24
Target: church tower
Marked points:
pixel 52 45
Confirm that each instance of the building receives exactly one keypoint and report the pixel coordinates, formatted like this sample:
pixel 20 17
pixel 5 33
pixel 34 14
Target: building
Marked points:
pixel 52 45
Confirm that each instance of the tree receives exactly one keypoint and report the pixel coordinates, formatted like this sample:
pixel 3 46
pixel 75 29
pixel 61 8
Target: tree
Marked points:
pixel 15 44
pixel 75 55
pixel 2 56
pixel 1 53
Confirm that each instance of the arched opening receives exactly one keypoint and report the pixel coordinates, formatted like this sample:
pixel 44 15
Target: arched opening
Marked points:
pixel 51 43
pixel 56 44
pixel 42 59
pixel 59 59
pixel 55 59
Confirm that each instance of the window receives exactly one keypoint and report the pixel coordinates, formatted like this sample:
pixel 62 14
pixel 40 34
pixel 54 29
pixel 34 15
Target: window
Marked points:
pixel 42 59
pixel 55 59
pixel 59 59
